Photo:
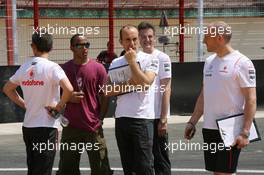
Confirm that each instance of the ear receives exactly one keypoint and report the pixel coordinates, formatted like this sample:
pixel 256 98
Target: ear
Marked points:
pixel 221 38
pixel 33 47
pixel 72 48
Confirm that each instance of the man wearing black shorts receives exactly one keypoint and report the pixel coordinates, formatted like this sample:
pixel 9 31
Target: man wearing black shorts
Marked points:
pixel 229 88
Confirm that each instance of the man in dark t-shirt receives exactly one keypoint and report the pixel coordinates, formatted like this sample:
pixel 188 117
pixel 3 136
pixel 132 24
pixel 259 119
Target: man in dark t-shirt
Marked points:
pixel 85 111
pixel 105 58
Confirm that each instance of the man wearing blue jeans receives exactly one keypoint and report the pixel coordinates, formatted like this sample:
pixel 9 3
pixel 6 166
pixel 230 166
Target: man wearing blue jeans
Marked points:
pixel 135 109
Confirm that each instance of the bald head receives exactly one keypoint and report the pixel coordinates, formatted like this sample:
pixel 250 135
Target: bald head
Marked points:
pixel 221 28
pixel 125 28
pixel 129 37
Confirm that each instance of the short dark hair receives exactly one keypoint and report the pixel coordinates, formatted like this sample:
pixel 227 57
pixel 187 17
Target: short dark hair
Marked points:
pixel 43 42
pixel 128 26
pixel 73 38
pixel 145 25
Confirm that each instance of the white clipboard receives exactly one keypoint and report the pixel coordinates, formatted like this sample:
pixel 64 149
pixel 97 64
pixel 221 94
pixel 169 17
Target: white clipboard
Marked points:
pixel 230 127
pixel 120 74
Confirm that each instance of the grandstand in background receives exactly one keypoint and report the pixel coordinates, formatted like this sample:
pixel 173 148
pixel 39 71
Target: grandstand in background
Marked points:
pixel 245 17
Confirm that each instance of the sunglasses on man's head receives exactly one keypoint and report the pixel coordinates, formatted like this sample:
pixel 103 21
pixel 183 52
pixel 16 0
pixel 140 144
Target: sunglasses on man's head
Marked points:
pixel 81 45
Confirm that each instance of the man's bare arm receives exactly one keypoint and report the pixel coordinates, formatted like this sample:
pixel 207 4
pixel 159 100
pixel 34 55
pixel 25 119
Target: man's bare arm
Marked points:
pixel 250 106
pixel 66 94
pixel 165 85
pixel 196 115
pixel 198 109
pixel 10 90
pixel 249 112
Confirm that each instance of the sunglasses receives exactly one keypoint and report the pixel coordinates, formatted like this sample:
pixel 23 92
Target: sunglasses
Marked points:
pixel 81 45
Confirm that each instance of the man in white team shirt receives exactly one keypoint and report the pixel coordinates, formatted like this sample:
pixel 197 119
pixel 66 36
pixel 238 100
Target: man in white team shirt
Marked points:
pixel 229 88
pixel 40 81
pixel 135 110
pixel 147 39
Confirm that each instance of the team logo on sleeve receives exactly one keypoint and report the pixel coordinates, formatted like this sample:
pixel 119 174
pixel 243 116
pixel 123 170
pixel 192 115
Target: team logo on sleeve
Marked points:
pixel 166 67
pixel 252 74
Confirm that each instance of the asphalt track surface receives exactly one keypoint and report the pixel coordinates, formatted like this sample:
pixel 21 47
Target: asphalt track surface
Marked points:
pixel 184 162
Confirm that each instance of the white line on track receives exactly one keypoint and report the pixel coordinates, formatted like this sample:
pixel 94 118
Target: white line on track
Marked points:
pixel 120 169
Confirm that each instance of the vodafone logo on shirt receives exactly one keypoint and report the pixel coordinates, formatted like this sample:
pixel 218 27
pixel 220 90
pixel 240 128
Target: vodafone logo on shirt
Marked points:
pixel 31 81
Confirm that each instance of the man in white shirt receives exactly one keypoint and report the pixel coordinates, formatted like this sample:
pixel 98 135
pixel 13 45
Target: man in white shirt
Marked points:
pixel 147 39
pixel 229 88
pixel 40 81
pixel 135 110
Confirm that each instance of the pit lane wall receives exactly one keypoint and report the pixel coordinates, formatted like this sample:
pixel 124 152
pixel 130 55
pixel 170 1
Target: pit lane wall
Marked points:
pixel 186 85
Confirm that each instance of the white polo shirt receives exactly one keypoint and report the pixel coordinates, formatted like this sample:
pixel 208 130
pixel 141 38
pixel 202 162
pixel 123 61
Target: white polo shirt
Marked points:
pixel 164 72
pixel 138 104
pixel 222 82
pixel 39 80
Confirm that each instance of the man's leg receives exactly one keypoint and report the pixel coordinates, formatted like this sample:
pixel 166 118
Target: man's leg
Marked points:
pixel 41 149
pixel 162 164
pixel 124 143
pixel 69 159
pixel 97 153
pixel 143 144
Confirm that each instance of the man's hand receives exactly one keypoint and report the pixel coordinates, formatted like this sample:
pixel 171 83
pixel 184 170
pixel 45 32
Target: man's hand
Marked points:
pixel 189 131
pixel 162 127
pixel 242 140
pixel 77 97
pixel 131 56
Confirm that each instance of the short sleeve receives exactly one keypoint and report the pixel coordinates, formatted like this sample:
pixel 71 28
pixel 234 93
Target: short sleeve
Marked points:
pixel 247 74
pixel 165 67
pixel 57 74
pixel 153 65
pixel 16 78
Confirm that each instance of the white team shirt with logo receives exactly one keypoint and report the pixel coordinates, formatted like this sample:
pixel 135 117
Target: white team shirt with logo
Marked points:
pixel 39 80
pixel 137 104
pixel 222 82
pixel 164 72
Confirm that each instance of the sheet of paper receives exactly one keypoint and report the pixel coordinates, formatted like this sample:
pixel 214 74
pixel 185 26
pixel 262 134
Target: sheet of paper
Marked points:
pixel 120 74
pixel 231 127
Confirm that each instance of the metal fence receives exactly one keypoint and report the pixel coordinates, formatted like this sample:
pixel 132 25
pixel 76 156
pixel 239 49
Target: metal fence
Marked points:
pixel 65 17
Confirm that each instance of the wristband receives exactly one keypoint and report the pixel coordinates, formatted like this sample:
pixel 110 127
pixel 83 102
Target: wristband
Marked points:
pixel 245 134
pixel 193 125
pixel 163 121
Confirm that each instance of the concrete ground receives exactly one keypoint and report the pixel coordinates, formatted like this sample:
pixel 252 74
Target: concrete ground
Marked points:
pixel 184 162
